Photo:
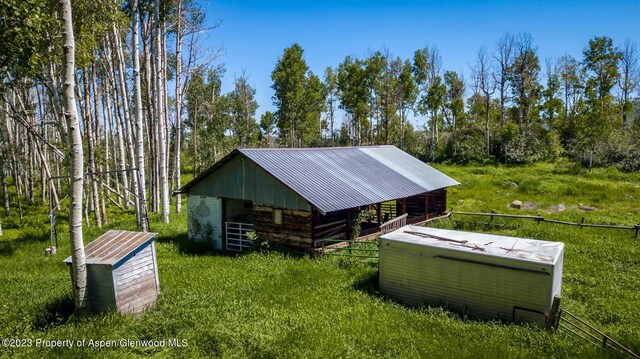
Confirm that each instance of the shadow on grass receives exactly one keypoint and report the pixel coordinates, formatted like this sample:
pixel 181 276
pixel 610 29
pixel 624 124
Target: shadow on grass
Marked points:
pixel 55 313
pixel 186 246
pixel 191 247
pixel 27 236
pixel 370 285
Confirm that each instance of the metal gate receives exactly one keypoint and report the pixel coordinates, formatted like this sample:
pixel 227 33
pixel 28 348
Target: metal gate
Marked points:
pixel 572 326
pixel 237 236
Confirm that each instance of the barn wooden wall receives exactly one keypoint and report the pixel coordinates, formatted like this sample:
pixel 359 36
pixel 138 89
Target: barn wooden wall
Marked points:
pixel 438 201
pixel 295 229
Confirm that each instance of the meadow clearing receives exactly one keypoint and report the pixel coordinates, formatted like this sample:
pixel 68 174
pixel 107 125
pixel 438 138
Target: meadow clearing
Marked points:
pixel 275 304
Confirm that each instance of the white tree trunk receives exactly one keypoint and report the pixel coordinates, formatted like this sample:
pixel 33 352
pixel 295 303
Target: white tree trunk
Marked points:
pixel 78 265
pixel 178 105
pixel 119 127
pixel 160 112
pixel 97 143
pixel 90 147
pixel 142 197
pixel 125 106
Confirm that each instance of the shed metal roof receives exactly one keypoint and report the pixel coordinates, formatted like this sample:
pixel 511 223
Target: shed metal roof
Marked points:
pixel 335 178
pixel 113 246
pixel 524 249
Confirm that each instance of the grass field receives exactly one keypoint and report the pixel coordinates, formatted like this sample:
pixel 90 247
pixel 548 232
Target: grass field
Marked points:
pixel 278 305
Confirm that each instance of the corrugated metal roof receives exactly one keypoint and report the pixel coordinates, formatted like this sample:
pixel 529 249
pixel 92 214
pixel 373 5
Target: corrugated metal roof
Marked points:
pixel 337 178
pixel 113 246
pixel 525 249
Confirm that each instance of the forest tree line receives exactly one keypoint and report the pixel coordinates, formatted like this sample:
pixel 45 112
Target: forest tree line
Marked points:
pixel 151 103
pixel 514 108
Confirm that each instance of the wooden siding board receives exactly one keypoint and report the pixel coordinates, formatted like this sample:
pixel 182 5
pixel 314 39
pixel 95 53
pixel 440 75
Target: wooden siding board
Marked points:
pixel 137 305
pixel 136 286
pixel 295 229
pixel 142 255
pixel 136 280
pixel 132 254
pixel 145 290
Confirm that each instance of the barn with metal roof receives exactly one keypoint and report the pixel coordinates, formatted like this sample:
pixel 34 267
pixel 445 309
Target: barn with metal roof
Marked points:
pixel 302 196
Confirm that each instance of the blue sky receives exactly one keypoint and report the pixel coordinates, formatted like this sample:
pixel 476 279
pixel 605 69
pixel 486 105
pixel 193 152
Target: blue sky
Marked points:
pixel 255 33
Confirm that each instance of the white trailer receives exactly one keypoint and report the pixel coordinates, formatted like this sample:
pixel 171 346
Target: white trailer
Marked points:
pixel 482 276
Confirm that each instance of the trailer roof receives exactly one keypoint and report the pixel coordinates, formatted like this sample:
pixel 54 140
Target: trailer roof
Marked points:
pixel 532 250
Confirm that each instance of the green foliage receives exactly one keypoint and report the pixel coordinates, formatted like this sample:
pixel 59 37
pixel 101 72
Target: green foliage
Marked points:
pixel 278 305
pixel 209 117
pixel 243 112
pixel 299 99
pixel 258 243
pixel 93 21
pixel 268 128
pixel 601 60
pixel 623 152
pixel 356 223
pixel 353 91
pixel 523 76
pixel 27 32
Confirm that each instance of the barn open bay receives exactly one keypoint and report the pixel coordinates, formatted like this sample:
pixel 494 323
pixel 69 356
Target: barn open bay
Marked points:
pixel 281 305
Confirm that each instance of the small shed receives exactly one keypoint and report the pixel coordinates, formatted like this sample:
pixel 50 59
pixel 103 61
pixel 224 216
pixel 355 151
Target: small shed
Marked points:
pixel 479 275
pixel 122 272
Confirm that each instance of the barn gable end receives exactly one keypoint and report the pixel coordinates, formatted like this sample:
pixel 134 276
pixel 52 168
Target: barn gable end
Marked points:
pixel 240 178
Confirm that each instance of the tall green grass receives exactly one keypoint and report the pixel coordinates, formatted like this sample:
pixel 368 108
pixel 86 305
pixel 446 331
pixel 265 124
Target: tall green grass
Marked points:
pixel 280 305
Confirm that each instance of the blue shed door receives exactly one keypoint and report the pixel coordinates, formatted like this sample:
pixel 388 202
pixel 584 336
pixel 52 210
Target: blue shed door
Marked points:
pixel 205 219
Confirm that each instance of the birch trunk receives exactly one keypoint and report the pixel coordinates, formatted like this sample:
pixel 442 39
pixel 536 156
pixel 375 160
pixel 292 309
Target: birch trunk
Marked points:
pixel 57 103
pixel 47 173
pixel 13 160
pixel 30 174
pixel 77 161
pixel 125 107
pixel 119 128
pixel 108 121
pixel 153 163
pixel 5 191
pixel 142 201
pixel 165 102
pixel 40 147
pixel 178 106
pixel 160 112
pixel 97 142
pixel 90 147
pixel 3 173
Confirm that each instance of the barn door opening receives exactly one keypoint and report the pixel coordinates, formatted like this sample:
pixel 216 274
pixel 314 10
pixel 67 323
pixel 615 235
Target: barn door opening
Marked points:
pixel 238 222
pixel 205 220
